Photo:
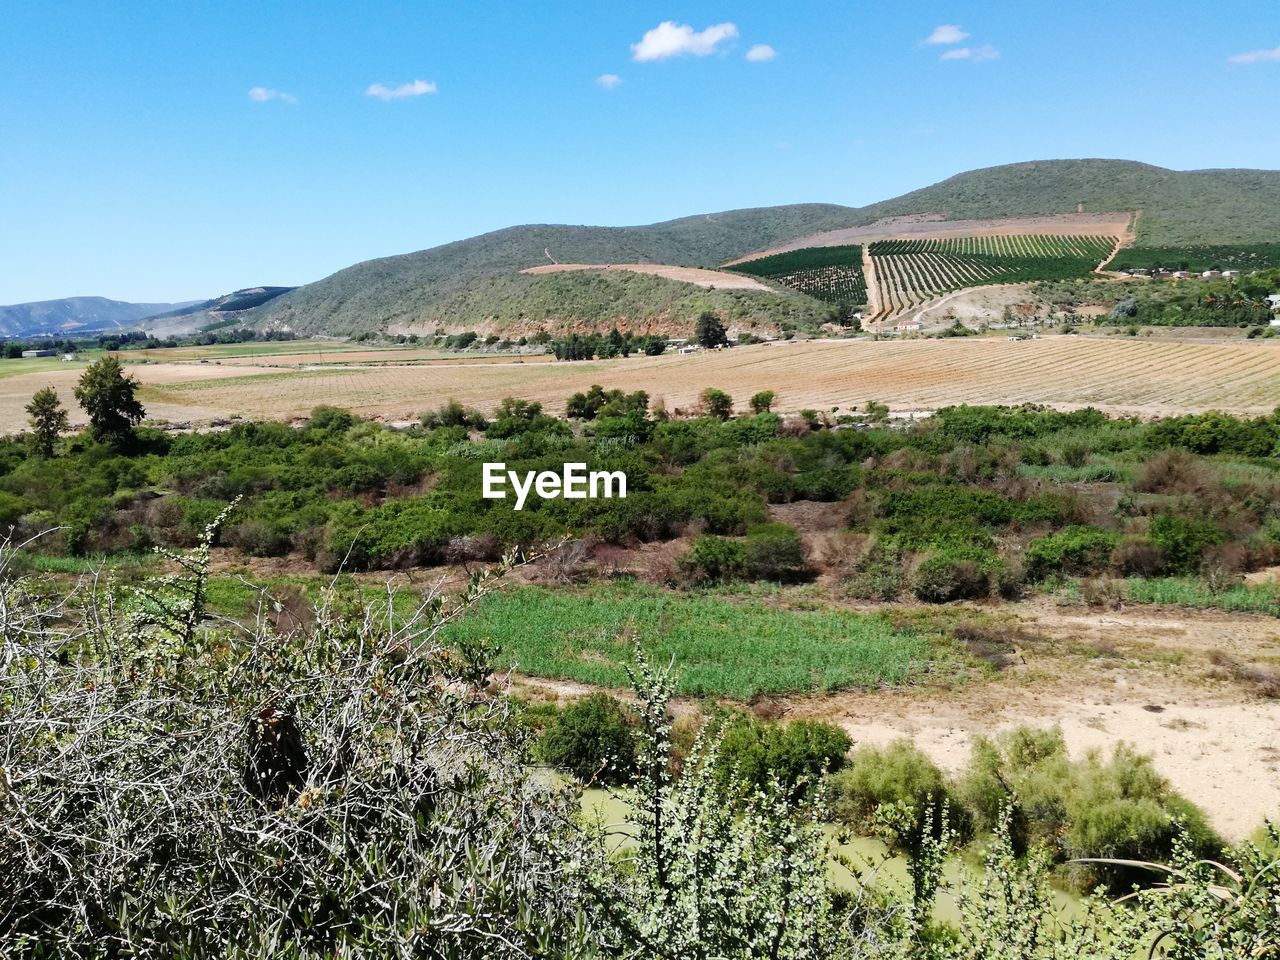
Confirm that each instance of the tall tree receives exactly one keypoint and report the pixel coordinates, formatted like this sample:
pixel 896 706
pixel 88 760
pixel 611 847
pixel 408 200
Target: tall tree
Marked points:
pixel 48 420
pixel 107 395
pixel 710 331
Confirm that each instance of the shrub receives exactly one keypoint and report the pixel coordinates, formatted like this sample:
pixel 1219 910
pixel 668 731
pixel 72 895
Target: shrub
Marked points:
pixel 775 551
pixel 714 560
pixel 1183 540
pixel 1137 557
pixel 454 414
pixel 897 773
pixel 1075 551
pixel 754 751
pixel 762 402
pixel 1094 807
pixel 591 739
pixel 716 403
pixel 878 575
pixel 954 574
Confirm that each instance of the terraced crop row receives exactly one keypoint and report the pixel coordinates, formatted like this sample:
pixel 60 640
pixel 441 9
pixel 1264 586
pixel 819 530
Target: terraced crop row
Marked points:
pixel 831 274
pixel 910 272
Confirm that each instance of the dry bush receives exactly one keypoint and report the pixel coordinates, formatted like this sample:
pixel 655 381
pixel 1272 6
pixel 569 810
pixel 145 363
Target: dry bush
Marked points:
pixel 568 563
pixel 1260 679
pixel 1102 592
pixel 1173 472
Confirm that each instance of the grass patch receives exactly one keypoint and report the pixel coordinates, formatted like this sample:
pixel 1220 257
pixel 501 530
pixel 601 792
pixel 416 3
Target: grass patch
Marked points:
pixel 1187 592
pixel 736 648
pixel 44 563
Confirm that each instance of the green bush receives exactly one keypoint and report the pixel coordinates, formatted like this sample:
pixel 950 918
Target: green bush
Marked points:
pixel 714 560
pixel 755 752
pixel 591 739
pixel 1075 551
pixel 955 573
pixel 1183 540
pixel 1116 807
pixel 897 773
pixel 774 551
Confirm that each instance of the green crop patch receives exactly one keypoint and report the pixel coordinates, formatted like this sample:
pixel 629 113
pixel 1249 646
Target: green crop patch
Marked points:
pixel 729 647
pixel 831 274
pixel 1198 258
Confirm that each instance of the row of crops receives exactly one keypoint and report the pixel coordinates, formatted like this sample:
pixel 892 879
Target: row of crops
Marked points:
pixel 831 274
pixel 1242 257
pixel 910 272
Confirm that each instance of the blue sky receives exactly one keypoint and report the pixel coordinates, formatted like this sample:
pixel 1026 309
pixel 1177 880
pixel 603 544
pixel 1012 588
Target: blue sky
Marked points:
pixel 165 151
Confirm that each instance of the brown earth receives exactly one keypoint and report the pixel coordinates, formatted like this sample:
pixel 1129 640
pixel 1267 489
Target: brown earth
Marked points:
pixel 1122 375
pixel 718 279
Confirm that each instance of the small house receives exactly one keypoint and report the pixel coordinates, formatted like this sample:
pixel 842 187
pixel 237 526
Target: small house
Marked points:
pixel 1230 274
pixel 28 354
pixel 1181 274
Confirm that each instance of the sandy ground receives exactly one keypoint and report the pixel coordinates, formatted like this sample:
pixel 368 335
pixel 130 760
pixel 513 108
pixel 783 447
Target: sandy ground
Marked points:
pixel 923 228
pixel 1122 375
pixel 719 279
pixel 975 305
pixel 1140 676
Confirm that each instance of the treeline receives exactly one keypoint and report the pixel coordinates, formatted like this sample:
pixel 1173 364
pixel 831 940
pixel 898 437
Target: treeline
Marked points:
pixel 140 340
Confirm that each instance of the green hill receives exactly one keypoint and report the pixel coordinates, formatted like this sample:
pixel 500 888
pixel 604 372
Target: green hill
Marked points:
pixel 1177 207
pixel 456 285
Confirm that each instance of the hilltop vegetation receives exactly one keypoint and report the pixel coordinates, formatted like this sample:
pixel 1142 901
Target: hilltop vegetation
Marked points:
pixel 1177 207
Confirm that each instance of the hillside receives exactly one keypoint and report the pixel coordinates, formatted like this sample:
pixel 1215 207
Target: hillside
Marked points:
pixel 453 285
pixel 220 311
pixel 1177 207
pixel 515 304
pixel 72 315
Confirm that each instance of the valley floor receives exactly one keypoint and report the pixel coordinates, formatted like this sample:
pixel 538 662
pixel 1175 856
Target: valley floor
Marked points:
pixel 1118 375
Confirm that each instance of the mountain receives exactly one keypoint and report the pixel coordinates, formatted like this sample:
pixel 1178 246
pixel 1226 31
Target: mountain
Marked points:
pixel 218 311
pixel 74 315
pixel 470 283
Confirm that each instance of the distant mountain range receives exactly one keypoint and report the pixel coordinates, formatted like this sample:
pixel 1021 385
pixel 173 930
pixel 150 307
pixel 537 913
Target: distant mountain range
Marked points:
pixel 75 315
pixel 79 316
pixel 477 284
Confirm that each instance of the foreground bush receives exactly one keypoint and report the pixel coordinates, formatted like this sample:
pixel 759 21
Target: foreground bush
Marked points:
pixel 177 789
pixel 899 773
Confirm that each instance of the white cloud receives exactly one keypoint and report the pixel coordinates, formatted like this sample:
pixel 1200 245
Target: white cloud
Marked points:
pixel 266 94
pixel 385 93
pixel 608 80
pixel 975 54
pixel 671 39
pixel 761 53
pixel 1255 56
pixel 946 33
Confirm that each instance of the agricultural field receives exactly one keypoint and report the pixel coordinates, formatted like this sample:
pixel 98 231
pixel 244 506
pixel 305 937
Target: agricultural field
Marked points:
pixel 910 272
pixel 830 274
pixel 1245 258
pixel 1130 375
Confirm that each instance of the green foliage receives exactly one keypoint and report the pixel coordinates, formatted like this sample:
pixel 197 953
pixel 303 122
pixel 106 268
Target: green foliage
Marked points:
pixel 1097 806
pixel 830 274
pixel 716 403
pixel 714 560
pixel 874 777
pixel 710 331
pixel 1183 540
pixel 454 414
pixel 592 739
pixel 1075 551
pixel 955 573
pixel 774 551
pixel 762 402
pixel 793 755
pixel 107 395
pixel 48 420
pixel 1197 258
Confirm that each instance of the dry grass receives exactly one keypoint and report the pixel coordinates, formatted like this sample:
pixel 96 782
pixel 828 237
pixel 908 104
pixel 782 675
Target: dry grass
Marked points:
pixel 1141 377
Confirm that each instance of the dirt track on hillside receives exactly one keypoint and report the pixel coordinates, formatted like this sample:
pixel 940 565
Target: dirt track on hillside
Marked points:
pixel 719 279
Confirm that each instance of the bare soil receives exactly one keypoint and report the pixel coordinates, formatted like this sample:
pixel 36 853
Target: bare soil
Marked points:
pixel 718 279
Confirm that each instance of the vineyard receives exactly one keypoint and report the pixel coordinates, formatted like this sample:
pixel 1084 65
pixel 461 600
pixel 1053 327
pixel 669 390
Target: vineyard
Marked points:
pixel 910 272
pixel 831 274
pixel 1246 257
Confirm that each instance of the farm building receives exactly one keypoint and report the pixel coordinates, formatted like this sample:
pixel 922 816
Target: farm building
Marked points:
pixel 1211 274
pixel 1231 274
pixel 27 354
